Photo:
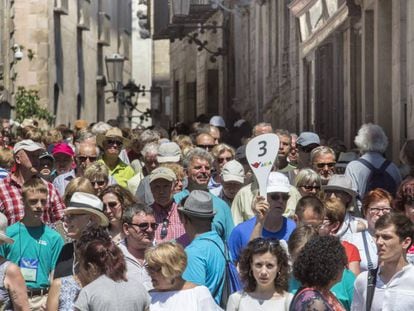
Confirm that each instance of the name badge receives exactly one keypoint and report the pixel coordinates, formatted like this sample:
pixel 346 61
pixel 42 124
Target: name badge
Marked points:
pixel 29 267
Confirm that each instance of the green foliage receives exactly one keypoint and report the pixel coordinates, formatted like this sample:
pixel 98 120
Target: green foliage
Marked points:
pixel 27 106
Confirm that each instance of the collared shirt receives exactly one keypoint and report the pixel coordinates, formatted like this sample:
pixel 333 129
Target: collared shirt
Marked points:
pixel 122 172
pixel 396 295
pixel 175 229
pixel 135 270
pixel 61 181
pixel 11 201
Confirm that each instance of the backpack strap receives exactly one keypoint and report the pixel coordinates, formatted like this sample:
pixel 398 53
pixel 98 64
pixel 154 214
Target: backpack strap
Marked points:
pixel 372 281
pixel 367 164
pixel 384 165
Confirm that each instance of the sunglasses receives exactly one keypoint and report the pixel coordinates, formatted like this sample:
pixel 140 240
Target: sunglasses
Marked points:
pixel 114 142
pixel 278 196
pixel 100 183
pixel 84 158
pixel 145 225
pixel 306 149
pixel 309 188
pixel 164 228
pixel 322 165
pixel 221 160
pixel 112 204
pixel 35 201
pixel 206 146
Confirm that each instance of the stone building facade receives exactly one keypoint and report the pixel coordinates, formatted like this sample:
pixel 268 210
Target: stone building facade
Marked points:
pixel 64 45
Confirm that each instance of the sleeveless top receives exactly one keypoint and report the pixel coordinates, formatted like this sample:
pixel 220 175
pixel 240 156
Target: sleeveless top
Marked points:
pixel 5 302
pixel 69 290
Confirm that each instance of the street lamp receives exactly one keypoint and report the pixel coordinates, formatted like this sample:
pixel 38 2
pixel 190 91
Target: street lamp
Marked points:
pixel 124 94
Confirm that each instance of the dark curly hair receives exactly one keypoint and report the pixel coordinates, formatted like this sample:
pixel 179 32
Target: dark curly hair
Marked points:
pixel 404 195
pixel 320 261
pixel 262 246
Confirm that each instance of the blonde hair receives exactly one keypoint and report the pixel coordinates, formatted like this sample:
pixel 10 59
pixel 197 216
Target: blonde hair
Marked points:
pixel 220 148
pixel 78 184
pixel 96 170
pixel 176 168
pixel 169 256
pixel 6 158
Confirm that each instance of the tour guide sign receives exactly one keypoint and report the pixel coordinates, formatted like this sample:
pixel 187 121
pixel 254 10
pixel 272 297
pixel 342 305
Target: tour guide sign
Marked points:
pixel 261 153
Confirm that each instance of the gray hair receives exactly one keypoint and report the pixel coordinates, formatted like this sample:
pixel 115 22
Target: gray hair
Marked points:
pixel 100 128
pixel 135 209
pixel 149 136
pixel 150 148
pixel 307 176
pixel 261 124
pixel 321 150
pixel 197 153
pixel 371 137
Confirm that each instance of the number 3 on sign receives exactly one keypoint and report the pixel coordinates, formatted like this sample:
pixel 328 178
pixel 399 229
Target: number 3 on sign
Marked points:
pixel 261 153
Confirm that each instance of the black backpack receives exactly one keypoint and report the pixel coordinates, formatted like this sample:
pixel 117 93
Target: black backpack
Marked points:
pixel 379 177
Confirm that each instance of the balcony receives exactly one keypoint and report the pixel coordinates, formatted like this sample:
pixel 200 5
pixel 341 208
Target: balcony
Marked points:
pixel 170 17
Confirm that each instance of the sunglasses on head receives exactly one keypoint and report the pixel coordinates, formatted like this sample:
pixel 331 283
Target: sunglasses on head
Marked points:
pixel 322 165
pixel 221 160
pixel 145 225
pixel 264 242
pixel 278 196
pixel 114 142
pixel 84 158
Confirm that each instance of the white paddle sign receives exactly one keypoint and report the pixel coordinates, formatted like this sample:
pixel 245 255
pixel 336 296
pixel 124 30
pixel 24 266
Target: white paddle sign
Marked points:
pixel 261 153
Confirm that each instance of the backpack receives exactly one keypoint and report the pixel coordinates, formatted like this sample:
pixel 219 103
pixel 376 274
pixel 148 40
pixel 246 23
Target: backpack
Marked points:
pixel 379 177
pixel 231 277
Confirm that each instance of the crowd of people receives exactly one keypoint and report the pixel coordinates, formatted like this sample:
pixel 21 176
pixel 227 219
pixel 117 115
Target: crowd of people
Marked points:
pixel 98 217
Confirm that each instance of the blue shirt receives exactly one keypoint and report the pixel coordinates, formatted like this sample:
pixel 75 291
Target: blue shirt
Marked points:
pixel 240 236
pixel 206 263
pixel 222 222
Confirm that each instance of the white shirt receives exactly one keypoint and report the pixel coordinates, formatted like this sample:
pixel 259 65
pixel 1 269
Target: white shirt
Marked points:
pixel 396 295
pixel 242 301
pixel 358 241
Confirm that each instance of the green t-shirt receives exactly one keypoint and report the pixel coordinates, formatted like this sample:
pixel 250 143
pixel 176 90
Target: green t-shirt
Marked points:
pixel 30 244
pixel 121 173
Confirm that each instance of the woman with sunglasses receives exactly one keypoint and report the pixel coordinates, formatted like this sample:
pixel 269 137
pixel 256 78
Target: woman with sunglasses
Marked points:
pixel 98 175
pixel 115 200
pixel 308 182
pixel 264 270
pixel 222 153
pixel 166 263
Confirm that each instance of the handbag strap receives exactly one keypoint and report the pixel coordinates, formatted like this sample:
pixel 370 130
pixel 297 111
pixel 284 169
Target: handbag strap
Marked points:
pixel 364 238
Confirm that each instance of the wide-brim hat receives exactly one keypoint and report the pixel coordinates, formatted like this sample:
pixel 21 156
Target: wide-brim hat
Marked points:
pixel 111 133
pixel 340 183
pixel 82 202
pixel 3 226
pixel 199 204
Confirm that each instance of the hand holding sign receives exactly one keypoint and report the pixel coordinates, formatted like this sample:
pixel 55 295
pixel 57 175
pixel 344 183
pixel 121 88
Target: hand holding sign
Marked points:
pixel 261 153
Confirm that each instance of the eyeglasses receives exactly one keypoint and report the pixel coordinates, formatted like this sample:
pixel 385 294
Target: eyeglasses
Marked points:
pixel 322 165
pixel 100 183
pixel 207 147
pixel 377 210
pixel 278 196
pixel 221 160
pixel 309 188
pixel 306 149
pixel 84 158
pixel 153 269
pixel 145 225
pixel 114 142
pixel 111 204
pixel 164 228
